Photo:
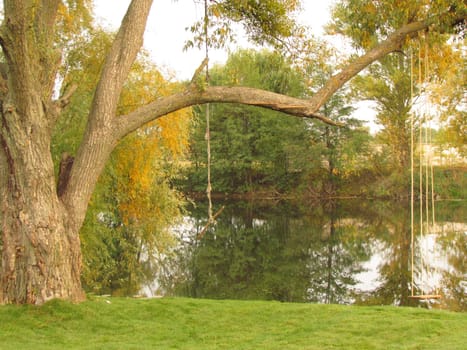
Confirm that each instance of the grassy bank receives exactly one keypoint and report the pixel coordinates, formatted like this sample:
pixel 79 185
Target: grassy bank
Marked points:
pixel 115 323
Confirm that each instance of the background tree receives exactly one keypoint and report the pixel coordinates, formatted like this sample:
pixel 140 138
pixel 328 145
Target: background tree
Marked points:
pixel 41 255
pixel 424 68
pixel 261 150
pixel 341 153
pixel 251 147
pixel 388 83
pixel 446 64
pixel 336 154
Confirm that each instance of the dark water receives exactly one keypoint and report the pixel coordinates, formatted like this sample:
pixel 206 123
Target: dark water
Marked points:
pixel 346 252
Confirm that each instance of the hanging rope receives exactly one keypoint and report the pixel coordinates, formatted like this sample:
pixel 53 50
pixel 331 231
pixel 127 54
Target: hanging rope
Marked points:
pixel 208 129
pixel 425 175
pixel 211 217
pixel 430 142
pixel 429 166
pixel 412 240
pixel 426 142
pixel 420 173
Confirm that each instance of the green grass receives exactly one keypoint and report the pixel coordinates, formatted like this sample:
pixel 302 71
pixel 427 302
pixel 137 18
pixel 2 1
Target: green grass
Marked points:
pixel 177 323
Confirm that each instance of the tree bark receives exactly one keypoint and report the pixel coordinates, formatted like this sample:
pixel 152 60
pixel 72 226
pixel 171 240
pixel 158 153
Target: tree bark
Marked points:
pixel 41 256
pixel 41 259
pixel 40 220
pixel 100 139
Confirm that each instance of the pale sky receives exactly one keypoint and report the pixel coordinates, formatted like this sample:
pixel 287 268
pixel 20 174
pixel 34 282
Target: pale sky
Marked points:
pixel 166 34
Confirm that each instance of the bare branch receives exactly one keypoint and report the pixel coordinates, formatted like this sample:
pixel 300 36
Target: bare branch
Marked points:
pixel 220 94
pixel 392 43
pixel 293 106
pixel 199 71
pixel 65 99
pixel 119 59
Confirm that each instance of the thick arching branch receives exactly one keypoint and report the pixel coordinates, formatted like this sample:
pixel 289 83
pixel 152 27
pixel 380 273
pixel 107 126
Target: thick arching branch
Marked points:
pixel 243 95
pixel 298 107
pixel 391 44
pixel 104 130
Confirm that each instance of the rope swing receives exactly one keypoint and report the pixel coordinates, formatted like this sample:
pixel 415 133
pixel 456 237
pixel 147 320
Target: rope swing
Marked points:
pixel 211 217
pixel 426 178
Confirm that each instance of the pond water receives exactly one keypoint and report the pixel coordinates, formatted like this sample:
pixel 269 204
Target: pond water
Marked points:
pixel 346 252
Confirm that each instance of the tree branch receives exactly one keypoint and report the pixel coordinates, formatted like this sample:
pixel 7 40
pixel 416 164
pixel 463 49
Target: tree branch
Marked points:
pixel 64 100
pixel 256 97
pixel 98 140
pixel 119 60
pixel 220 94
pixel 392 43
pixel 45 15
pixel 198 72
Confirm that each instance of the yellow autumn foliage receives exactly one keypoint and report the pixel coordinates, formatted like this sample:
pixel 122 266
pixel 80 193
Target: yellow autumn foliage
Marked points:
pixel 147 157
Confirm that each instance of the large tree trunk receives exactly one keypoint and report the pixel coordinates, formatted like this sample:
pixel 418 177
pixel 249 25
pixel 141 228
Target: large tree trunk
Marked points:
pixel 40 223
pixel 41 256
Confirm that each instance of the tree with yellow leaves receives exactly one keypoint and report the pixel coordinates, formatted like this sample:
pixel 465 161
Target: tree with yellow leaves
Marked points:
pixel 429 65
pixel 126 226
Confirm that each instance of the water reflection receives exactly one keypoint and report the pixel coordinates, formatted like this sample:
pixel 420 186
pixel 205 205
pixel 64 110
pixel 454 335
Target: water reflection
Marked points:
pixel 336 252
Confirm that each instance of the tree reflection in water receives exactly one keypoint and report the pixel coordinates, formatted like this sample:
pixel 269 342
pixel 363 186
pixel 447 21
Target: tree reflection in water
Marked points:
pixel 314 253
